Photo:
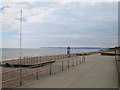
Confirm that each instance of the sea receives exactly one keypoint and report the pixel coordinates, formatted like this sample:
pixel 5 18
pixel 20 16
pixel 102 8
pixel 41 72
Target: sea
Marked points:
pixel 14 53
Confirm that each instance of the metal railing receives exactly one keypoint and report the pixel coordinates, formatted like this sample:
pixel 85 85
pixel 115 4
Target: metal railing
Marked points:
pixel 14 78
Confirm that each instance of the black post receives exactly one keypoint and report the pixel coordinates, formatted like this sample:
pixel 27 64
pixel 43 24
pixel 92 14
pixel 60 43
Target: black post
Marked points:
pixel 50 69
pixel 80 60
pixel 62 65
pixel 84 58
pixel 68 63
pixel 73 62
pixel 37 67
pixel 76 60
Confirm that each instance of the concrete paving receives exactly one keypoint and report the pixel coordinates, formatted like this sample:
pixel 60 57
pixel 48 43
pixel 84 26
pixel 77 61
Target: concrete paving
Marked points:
pixel 97 72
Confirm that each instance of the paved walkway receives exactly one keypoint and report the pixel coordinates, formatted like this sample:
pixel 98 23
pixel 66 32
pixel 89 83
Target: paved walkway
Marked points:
pixel 97 72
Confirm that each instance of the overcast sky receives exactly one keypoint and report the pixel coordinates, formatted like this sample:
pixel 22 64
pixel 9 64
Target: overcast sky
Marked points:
pixel 60 24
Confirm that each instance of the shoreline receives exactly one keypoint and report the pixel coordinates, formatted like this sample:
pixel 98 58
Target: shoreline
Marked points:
pixel 65 55
pixel 6 57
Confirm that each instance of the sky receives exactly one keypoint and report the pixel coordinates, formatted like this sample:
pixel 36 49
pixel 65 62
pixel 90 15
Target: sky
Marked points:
pixel 59 24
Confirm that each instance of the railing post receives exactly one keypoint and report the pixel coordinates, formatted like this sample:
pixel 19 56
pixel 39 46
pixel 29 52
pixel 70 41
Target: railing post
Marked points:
pixel 76 60
pixel 32 60
pixel 73 62
pixel 28 61
pixel 62 65
pixel 20 73
pixel 40 59
pixel 80 60
pixel 24 60
pixel 50 69
pixel 37 67
pixel 84 58
pixel 68 63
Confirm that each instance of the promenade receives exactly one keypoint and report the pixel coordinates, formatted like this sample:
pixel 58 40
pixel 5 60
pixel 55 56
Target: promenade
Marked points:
pixel 97 72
